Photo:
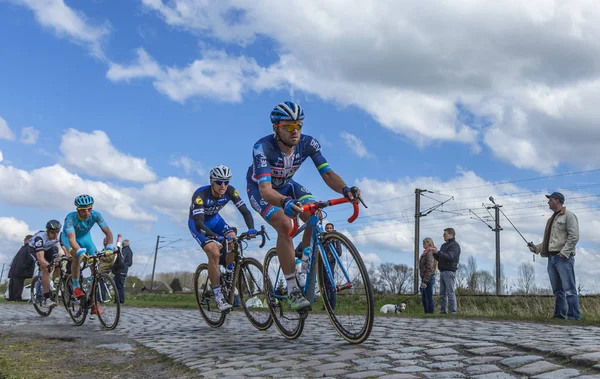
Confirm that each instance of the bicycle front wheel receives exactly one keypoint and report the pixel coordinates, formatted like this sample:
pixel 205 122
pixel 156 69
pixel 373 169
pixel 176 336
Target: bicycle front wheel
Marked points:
pixel 37 297
pixel 107 304
pixel 205 298
pixel 289 322
pixel 252 294
pixel 347 293
pixel 76 308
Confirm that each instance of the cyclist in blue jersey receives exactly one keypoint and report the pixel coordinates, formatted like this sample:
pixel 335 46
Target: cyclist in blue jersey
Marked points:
pixel 277 197
pixel 76 236
pixel 210 230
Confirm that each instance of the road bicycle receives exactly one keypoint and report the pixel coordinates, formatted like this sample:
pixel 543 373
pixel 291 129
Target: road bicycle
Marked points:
pixel 246 279
pixel 56 288
pixel 343 281
pixel 101 296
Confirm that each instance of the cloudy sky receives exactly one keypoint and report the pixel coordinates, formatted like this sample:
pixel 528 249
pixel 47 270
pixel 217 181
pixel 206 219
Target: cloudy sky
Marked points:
pixel 133 102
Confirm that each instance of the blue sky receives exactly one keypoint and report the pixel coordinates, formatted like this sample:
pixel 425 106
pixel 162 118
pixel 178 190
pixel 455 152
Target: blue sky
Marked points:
pixel 134 102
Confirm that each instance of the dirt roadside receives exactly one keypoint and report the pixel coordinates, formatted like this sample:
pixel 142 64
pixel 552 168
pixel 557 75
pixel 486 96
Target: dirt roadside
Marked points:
pixel 36 351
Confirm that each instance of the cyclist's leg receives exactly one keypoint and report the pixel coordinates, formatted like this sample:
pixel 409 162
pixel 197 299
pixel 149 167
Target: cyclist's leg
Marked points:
pixel 220 227
pixel 304 196
pixel 45 274
pixel 285 246
pixel 212 252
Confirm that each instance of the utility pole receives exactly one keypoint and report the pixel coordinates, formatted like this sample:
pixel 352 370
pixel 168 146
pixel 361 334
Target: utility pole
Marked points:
pixel 154 265
pixel 2 273
pixel 497 230
pixel 418 215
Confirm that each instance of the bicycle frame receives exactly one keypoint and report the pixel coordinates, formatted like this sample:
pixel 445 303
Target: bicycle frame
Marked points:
pixel 238 252
pixel 315 242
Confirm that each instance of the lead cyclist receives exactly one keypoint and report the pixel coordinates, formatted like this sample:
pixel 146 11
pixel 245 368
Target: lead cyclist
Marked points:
pixel 277 197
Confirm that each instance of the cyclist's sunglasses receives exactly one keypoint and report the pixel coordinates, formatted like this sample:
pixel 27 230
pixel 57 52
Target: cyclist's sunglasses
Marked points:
pixel 84 209
pixel 222 182
pixel 291 127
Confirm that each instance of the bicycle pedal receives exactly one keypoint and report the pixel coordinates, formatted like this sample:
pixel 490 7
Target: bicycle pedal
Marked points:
pixel 303 314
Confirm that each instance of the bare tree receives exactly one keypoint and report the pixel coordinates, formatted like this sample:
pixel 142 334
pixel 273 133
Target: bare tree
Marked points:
pixel 461 276
pixel 397 277
pixel 526 280
pixel 485 282
pixel 375 278
pixel 472 274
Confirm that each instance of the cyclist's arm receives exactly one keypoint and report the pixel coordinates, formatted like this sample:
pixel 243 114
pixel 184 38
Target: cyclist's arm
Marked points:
pixel 200 225
pixel 334 181
pixel 108 234
pixel 241 206
pixel 269 194
pixel 248 219
pixel 38 245
pixel 73 241
pixel 41 259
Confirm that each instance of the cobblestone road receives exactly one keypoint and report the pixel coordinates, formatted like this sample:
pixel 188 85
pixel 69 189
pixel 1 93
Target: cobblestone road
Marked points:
pixel 399 347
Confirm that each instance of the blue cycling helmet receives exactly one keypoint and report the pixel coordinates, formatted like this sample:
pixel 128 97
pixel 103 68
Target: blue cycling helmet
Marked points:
pixel 287 111
pixel 84 201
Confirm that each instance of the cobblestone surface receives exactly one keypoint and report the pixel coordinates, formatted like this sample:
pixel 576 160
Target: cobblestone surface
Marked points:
pixel 398 347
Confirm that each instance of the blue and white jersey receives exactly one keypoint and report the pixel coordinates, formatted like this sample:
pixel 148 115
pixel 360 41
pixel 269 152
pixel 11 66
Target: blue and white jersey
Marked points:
pixel 273 165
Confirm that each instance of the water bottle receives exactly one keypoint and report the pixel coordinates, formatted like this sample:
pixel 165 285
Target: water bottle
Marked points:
pixel 298 266
pixel 305 256
pixel 303 267
pixel 229 273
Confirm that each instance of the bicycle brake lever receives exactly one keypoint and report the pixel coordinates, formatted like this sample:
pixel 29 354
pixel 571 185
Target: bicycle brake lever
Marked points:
pixel 362 202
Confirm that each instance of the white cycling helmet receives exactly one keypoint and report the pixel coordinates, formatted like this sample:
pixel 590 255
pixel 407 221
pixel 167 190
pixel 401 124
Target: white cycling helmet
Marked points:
pixel 220 172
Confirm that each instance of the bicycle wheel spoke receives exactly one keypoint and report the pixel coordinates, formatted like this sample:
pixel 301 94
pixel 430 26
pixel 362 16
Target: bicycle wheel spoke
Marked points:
pixel 348 296
pixel 75 308
pixel 289 322
pixel 205 298
pixel 252 295
pixel 106 302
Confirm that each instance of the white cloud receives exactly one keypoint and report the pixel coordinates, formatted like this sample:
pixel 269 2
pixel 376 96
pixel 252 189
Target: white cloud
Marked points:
pixel 1 156
pixel 5 131
pixel 387 226
pixel 355 144
pixel 216 75
pixel 56 15
pixel 94 154
pixel 54 187
pixel 13 230
pixel 171 196
pixel 418 71
pixel 188 165
pixel 29 135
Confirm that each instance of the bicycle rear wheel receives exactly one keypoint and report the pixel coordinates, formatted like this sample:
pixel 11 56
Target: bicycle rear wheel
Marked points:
pixel 205 298
pixel 252 294
pixel 37 297
pixel 106 301
pixel 289 322
pixel 348 296
pixel 76 308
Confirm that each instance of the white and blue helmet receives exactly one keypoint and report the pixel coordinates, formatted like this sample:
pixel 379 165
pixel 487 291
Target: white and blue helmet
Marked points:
pixel 287 111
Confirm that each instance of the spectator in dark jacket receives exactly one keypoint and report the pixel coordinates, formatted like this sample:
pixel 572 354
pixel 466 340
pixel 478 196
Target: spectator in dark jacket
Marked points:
pixel 447 258
pixel 21 268
pixel 120 268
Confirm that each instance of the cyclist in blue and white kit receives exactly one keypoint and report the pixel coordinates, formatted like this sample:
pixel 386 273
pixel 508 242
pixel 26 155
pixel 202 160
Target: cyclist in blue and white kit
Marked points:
pixel 277 197
pixel 76 236
pixel 210 230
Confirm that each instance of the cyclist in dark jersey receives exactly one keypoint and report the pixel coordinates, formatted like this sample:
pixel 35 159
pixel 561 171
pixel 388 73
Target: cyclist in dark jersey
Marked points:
pixel 42 248
pixel 277 197
pixel 208 227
